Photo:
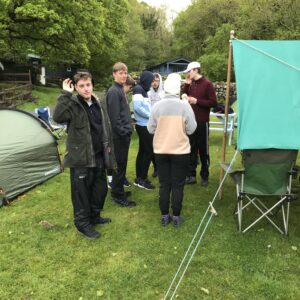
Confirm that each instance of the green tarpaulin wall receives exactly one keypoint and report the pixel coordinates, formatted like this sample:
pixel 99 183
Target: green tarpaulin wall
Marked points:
pixel 268 92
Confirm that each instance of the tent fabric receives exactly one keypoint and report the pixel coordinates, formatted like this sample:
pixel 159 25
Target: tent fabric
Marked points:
pixel 267 170
pixel 28 152
pixel 268 92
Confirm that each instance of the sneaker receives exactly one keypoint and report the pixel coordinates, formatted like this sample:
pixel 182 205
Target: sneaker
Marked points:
pixel 154 173
pixel 204 182
pixel 128 194
pixel 109 185
pixel 100 220
pixel 148 185
pixel 137 182
pixel 126 183
pixel 165 220
pixel 144 184
pixel 190 180
pixel 124 202
pixel 177 220
pixel 89 232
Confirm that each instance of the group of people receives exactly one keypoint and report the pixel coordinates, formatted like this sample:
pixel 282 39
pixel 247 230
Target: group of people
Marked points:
pixel 171 122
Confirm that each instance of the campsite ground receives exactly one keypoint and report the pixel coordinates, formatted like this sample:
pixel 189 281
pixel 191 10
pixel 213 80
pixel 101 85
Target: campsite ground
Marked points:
pixel 136 258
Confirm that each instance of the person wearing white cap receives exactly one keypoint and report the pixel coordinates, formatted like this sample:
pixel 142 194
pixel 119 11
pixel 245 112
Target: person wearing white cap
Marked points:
pixel 171 120
pixel 202 97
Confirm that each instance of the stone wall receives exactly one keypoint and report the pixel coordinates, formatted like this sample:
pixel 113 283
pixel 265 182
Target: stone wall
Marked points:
pixel 220 88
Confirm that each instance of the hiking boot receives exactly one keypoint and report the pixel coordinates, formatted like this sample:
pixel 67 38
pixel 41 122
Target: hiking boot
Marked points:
pixel 165 220
pixel 190 180
pixel 124 202
pixel 100 220
pixel 177 221
pixel 89 232
pixel 204 182
pixel 126 183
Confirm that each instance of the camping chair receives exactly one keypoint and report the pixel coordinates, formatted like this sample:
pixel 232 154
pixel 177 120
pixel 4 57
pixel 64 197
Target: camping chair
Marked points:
pixel 266 173
pixel 44 113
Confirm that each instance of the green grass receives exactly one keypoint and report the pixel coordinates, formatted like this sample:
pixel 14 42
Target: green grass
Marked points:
pixel 46 96
pixel 136 258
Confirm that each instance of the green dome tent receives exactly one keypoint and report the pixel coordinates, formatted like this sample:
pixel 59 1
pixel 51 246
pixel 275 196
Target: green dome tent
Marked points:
pixel 28 152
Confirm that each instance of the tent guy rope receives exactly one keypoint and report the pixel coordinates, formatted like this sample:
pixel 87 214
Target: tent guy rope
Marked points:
pixel 268 54
pixel 210 209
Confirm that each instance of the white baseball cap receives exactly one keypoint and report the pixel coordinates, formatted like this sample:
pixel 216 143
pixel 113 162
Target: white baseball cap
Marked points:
pixel 192 65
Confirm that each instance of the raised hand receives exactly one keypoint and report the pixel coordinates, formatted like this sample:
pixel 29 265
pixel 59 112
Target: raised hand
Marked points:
pixel 68 85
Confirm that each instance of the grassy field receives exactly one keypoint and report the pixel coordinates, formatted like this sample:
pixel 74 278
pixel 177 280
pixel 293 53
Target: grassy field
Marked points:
pixel 136 258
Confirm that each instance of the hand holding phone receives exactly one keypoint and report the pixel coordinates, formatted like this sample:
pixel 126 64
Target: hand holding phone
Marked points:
pixel 68 85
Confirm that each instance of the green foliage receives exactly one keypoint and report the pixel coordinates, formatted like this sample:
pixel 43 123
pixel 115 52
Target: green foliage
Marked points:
pixel 214 61
pixel 202 31
pixel 199 22
pixel 214 66
pixel 97 33
pixel 148 37
pixel 88 32
pixel 264 19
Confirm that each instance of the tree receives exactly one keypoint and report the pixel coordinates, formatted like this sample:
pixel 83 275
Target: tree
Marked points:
pixel 200 21
pixel 63 31
pixel 149 39
pixel 262 19
pixel 214 61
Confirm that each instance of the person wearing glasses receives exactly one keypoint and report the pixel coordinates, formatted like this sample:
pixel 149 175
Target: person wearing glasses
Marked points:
pixel 202 97
pixel 89 150
pixel 156 94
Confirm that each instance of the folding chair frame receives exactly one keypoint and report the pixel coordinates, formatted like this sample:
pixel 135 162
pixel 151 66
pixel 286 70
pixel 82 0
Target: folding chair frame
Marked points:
pixel 57 129
pixel 284 202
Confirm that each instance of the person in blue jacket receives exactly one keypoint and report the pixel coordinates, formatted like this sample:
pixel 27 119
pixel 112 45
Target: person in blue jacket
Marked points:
pixel 142 109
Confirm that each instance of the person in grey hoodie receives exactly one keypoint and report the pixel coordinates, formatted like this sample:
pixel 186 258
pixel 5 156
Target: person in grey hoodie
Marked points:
pixel 156 94
pixel 171 121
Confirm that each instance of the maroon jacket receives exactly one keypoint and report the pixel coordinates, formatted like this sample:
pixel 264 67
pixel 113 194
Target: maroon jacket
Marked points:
pixel 203 90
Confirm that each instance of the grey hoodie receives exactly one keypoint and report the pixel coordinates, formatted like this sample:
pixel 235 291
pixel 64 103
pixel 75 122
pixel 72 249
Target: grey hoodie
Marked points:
pixel 156 95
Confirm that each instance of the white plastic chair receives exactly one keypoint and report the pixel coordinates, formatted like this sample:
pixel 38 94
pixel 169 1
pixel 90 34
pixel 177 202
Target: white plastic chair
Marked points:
pixel 219 125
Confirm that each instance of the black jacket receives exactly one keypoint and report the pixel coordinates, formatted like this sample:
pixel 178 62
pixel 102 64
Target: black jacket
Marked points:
pixel 80 152
pixel 118 111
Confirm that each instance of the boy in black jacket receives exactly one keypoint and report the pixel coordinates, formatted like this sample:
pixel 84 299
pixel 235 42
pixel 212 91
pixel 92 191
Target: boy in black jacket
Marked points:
pixel 120 118
pixel 88 140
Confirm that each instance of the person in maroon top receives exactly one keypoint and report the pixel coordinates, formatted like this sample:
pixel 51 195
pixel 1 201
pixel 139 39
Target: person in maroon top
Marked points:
pixel 201 95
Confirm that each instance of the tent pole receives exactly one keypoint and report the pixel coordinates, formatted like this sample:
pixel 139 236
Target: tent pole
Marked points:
pixel 226 108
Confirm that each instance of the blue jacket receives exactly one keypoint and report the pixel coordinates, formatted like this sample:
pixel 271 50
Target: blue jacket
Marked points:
pixel 140 100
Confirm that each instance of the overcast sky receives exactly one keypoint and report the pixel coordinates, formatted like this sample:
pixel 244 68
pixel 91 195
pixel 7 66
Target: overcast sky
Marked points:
pixel 173 6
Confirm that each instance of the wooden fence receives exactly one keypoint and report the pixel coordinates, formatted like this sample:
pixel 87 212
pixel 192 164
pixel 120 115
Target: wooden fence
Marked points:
pixel 16 95
pixel 17 78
